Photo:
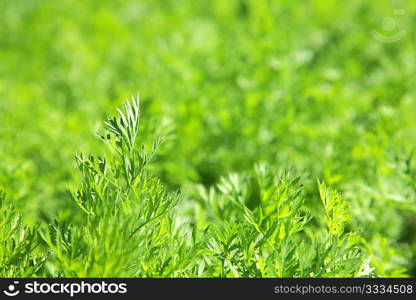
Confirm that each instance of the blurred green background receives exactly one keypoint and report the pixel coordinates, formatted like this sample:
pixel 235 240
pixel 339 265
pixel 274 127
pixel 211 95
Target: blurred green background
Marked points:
pixel 229 84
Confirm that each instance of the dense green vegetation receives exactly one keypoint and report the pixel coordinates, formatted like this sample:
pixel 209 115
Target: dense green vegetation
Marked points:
pixel 271 139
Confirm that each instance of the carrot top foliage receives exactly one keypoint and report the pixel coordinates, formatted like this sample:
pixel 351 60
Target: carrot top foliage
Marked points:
pixel 272 139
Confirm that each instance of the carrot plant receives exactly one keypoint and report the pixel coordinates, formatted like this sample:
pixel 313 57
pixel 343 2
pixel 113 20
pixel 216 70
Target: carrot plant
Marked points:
pixel 277 138
pixel 252 225
pixel 129 228
pixel 255 224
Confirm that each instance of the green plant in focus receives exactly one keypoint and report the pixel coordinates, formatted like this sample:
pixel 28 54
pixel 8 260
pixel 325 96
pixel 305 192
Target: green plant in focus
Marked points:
pixel 274 238
pixel 257 225
pixel 129 228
